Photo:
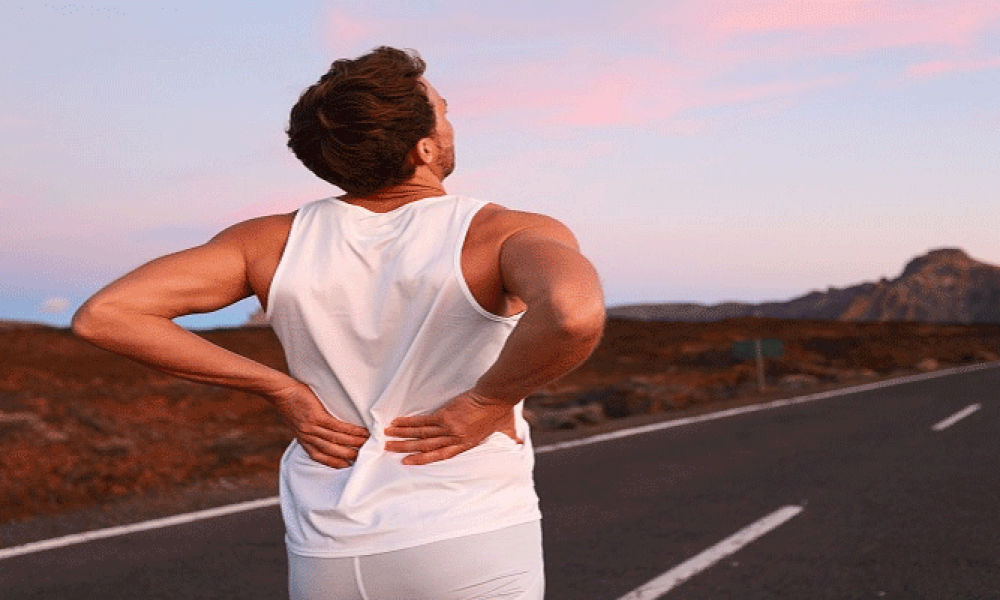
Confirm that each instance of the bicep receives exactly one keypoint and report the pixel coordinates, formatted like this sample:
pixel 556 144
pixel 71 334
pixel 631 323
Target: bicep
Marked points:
pixel 545 259
pixel 197 280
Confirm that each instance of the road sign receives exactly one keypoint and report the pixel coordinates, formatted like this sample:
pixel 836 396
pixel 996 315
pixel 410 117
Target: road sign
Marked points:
pixel 758 349
pixel 747 349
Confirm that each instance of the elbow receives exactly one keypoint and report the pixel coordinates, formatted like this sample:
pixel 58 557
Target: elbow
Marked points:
pixel 93 322
pixel 85 323
pixel 580 317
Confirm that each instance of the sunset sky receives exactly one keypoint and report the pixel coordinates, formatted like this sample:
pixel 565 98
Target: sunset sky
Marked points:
pixel 702 150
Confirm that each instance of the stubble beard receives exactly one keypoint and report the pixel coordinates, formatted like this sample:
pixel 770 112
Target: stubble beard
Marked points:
pixel 447 162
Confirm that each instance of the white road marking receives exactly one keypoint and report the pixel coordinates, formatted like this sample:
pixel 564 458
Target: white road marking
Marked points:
pixel 88 536
pixel 955 418
pixel 696 564
pixel 623 433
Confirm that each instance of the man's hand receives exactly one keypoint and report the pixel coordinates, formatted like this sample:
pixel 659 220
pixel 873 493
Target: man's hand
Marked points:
pixel 326 439
pixel 463 423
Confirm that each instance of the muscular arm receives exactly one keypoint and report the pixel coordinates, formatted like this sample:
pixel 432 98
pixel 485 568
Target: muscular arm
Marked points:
pixel 541 265
pixel 133 317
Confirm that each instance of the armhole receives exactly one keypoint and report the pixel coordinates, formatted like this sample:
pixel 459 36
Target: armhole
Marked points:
pixel 460 275
pixel 276 277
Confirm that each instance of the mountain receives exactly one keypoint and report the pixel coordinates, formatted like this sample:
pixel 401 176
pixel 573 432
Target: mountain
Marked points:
pixel 943 286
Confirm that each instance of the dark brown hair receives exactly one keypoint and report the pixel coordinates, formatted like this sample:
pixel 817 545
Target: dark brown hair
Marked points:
pixel 356 125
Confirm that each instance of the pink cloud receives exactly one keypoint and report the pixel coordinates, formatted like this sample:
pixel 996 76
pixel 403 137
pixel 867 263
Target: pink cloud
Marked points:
pixel 791 14
pixel 740 30
pixel 569 91
pixel 688 54
pixel 521 87
pixel 946 22
pixel 579 84
pixel 783 89
pixel 343 31
pixel 604 101
pixel 939 67
pixel 631 92
pixel 8 201
pixel 14 122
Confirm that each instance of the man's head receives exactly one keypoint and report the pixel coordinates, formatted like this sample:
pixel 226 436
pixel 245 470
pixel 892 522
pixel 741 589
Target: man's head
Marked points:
pixel 356 127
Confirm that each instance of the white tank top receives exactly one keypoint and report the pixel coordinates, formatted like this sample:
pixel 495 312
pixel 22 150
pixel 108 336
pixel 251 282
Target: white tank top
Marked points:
pixel 374 314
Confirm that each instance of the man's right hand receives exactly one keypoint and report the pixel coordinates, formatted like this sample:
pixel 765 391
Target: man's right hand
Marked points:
pixel 325 438
pixel 462 423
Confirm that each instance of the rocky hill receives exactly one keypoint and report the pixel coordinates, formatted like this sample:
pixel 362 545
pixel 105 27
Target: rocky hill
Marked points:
pixel 943 286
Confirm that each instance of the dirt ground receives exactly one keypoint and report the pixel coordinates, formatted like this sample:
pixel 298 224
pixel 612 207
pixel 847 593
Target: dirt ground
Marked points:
pixel 82 429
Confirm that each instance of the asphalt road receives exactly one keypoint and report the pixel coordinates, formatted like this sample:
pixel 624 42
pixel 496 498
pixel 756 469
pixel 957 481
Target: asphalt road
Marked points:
pixel 887 507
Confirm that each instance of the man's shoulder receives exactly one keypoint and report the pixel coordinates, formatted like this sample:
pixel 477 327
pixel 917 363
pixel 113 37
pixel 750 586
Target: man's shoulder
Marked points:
pixel 502 218
pixel 500 222
pixel 259 234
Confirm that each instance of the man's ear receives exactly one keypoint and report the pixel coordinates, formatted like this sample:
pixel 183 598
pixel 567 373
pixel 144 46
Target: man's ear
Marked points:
pixel 423 152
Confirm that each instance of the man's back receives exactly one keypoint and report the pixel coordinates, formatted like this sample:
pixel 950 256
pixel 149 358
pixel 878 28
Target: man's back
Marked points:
pixel 375 316
pixel 380 299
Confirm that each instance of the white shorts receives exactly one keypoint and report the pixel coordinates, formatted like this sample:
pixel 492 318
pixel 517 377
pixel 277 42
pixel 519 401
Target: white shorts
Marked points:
pixel 506 563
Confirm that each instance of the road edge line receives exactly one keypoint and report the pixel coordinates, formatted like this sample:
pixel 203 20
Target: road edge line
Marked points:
pixel 623 433
pixel 98 534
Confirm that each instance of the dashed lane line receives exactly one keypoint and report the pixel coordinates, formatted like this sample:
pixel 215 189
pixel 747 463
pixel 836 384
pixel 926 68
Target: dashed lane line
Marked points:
pixel 696 564
pixel 955 418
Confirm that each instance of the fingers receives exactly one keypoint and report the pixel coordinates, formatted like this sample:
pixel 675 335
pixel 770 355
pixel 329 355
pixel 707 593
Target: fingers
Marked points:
pixel 325 438
pixel 333 429
pixel 419 445
pixel 419 431
pixel 455 427
pixel 423 433
pixel 329 453
pixel 332 442
pixel 300 406
pixel 333 437
pixel 335 425
pixel 444 453
pixel 350 429
pixel 428 420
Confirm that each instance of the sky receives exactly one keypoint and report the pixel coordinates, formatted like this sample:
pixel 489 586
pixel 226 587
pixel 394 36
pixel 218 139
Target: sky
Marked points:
pixel 701 150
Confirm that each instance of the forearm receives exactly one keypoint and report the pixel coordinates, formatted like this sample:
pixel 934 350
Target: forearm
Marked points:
pixel 552 338
pixel 160 343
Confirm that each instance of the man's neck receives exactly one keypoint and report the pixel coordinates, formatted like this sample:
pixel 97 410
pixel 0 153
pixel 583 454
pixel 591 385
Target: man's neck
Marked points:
pixel 395 196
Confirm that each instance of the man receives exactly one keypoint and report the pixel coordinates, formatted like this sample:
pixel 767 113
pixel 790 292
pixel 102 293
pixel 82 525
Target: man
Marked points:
pixel 414 322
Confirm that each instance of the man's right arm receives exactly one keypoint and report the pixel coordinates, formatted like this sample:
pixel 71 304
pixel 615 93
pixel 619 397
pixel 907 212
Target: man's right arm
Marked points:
pixel 540 264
